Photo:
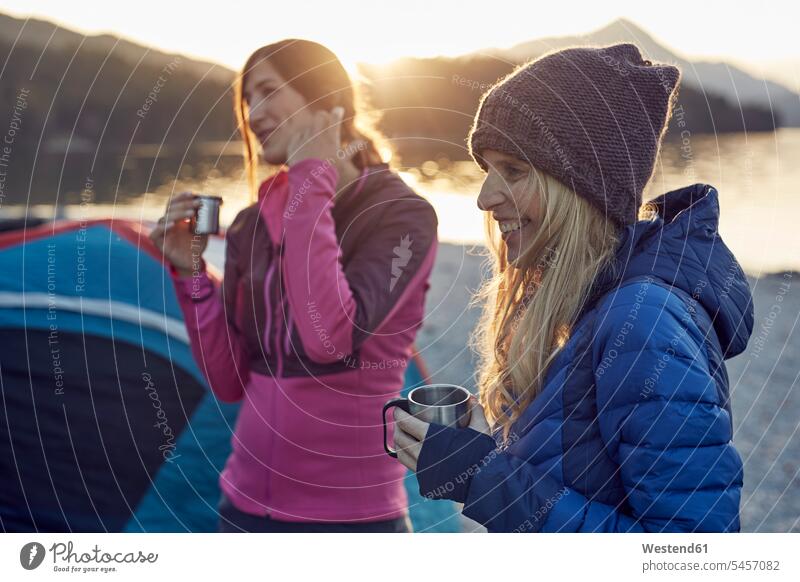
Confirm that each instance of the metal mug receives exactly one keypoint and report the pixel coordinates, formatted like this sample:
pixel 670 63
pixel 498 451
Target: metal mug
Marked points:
pixel 445 404
pixel 207 217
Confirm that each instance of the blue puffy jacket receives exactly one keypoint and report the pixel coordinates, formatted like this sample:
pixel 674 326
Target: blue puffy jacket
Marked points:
pixel 632 429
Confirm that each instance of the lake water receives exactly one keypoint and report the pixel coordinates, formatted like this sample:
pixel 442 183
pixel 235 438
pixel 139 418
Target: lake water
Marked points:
pixel 757 175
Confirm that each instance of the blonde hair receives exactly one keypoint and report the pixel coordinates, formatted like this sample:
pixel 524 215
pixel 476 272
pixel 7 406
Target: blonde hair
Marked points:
pixel 529 306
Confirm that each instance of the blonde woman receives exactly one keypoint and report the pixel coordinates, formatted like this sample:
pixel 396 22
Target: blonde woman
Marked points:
pixel 604 400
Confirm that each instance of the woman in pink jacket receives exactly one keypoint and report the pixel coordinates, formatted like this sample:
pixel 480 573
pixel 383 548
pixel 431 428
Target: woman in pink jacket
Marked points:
pixel 323 293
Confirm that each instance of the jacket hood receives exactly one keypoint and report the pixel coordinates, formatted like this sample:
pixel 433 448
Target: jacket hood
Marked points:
pixel 682 246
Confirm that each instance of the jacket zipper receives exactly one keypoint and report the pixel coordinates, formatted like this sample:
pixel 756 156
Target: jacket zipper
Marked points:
pixel 276 317
pixel 268 306
pixel 272 311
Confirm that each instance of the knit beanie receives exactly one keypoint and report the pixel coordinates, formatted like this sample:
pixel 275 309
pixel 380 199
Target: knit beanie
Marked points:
pixel 593 118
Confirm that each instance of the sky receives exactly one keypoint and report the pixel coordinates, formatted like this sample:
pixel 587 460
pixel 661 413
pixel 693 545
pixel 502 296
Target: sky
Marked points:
pixel 762 40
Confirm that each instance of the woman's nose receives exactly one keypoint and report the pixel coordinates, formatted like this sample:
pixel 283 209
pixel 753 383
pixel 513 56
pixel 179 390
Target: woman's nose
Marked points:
pixel 258 111
pixel 489 196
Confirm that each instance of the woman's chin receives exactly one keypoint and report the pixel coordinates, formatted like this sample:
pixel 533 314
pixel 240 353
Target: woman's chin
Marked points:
pixel 511 259
pixel 512 246
pixel 512 253
pixel 273 155
pixel 516 242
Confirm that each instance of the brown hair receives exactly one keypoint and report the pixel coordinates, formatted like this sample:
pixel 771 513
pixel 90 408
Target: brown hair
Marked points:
pixel 313 71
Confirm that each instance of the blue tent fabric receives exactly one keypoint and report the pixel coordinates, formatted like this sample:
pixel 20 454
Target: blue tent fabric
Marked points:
pixel 82 458
pixel 106 422
pixel 202 448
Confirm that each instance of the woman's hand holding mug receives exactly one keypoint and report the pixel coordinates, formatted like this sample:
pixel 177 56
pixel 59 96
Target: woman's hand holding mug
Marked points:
pixel 440 403
pixel 174 237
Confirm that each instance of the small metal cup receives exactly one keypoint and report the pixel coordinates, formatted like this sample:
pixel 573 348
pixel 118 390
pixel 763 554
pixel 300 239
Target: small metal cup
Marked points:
pixel 207 217
pixel 445 404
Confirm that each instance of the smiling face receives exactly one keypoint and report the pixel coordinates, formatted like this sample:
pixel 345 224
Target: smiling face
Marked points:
pixel 276 111
pixel 510 192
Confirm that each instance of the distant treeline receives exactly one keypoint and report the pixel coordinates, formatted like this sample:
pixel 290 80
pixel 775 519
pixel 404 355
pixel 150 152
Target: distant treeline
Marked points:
pixel 96 101
pixel 107 100
pixel 98 105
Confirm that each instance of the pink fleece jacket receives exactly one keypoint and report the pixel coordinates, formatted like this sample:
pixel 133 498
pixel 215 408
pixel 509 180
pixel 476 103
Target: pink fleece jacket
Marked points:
pixel 312 329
